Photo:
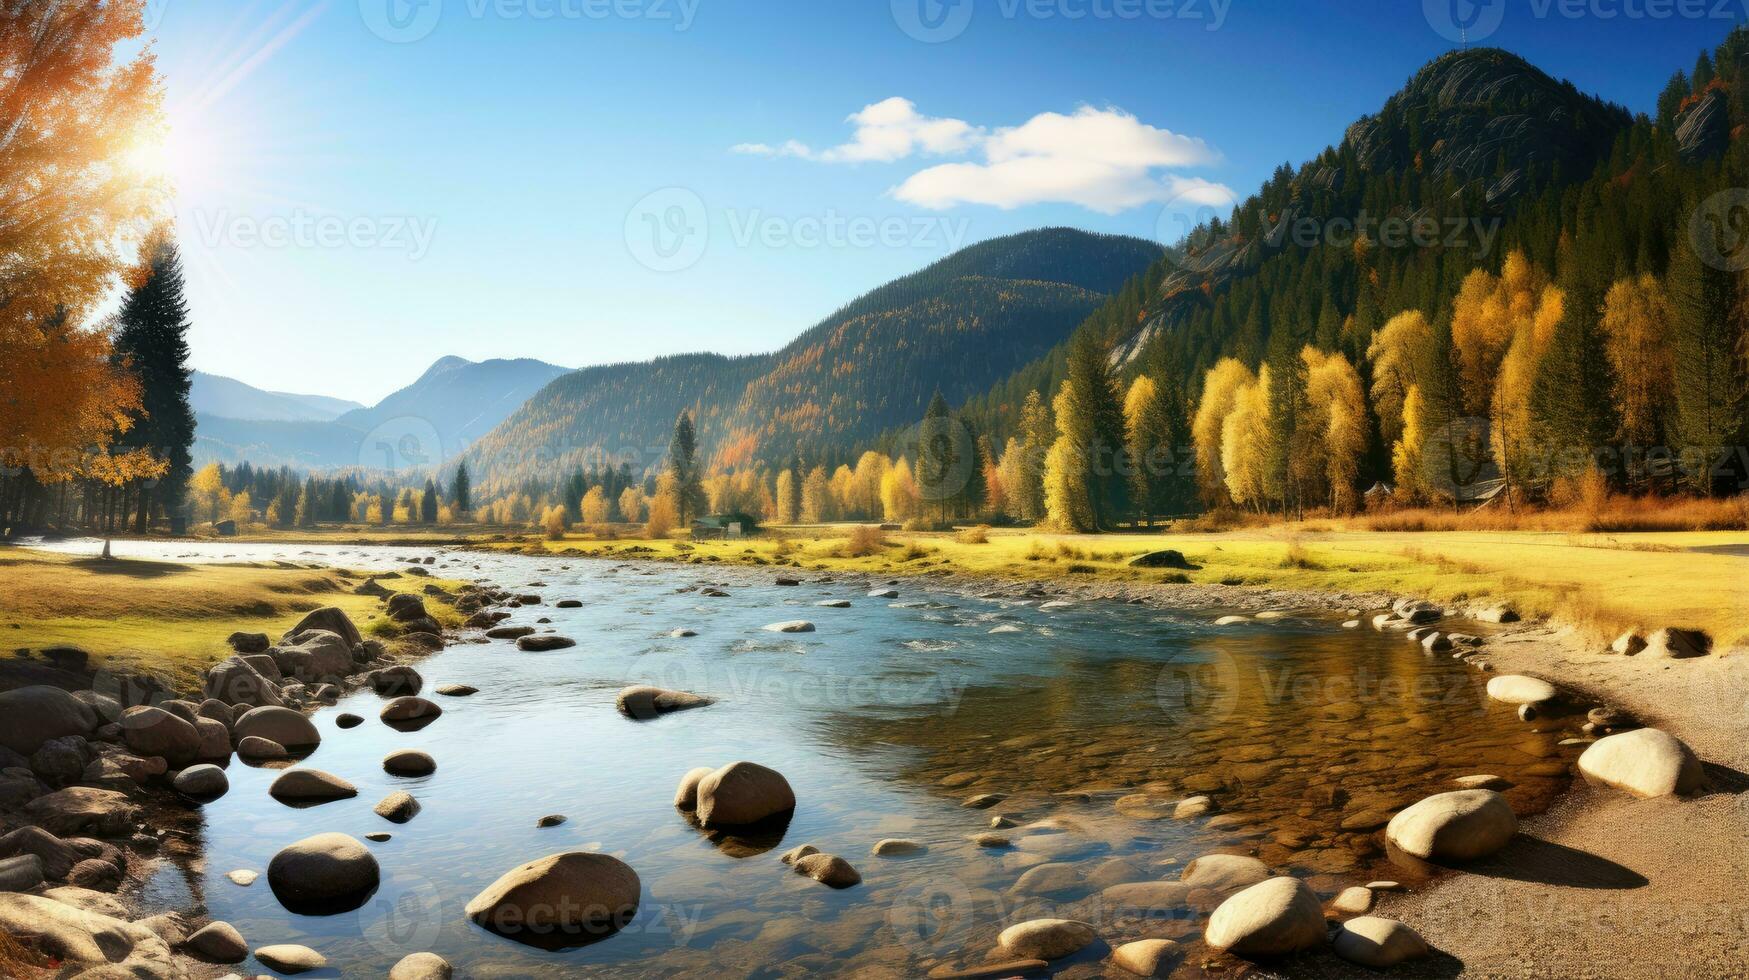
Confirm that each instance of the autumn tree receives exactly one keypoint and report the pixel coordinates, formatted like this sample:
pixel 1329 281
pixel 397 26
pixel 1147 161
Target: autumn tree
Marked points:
pixel 789 497
pixel 207 490
pixel 816 497
pixel 1220 393
pixel 1638 323
pixel 1090 440
pixel 1334 429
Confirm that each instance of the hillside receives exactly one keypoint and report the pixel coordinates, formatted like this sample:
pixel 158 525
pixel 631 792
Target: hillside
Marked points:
pixel 453 403
pixel 1479 146
pixel 216 395
pixel 958 325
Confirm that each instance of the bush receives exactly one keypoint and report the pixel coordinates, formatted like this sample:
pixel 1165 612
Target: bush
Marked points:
pixel 865 540
pixel 554 522
pixel 974 535
pixel 914 551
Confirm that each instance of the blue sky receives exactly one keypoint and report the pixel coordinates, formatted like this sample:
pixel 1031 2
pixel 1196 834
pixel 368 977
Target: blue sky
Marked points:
pixel 366 185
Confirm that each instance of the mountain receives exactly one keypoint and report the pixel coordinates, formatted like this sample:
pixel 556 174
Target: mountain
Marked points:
pixel 957 326
pixel 453 403
pixel 214 394
pixel 1480 146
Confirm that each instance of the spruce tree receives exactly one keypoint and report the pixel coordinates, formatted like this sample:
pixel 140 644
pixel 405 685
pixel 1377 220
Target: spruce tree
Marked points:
pixel 689 495
pixel 1709 389
pixel 940 457
pixel 428 503
pixel 461 490
pixel 152 339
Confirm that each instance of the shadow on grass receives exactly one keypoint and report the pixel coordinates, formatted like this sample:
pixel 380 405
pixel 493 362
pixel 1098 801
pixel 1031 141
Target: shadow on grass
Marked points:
pixel 129 568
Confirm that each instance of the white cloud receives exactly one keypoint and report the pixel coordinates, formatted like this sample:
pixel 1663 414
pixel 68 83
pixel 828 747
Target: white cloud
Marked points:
pixel 888 130
pixel 1105 160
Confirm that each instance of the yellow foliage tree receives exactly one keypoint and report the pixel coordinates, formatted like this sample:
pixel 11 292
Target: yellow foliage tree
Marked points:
pixel 1068 505
pixel 664 511
pixel 207 493
pixel 900 498
pixel 1249 438
pixel 1401 354
pixel 1637 322
pixel 553 521
pixel 1220 390
pixel 594 506
pixel 1335 429
pixel 631 505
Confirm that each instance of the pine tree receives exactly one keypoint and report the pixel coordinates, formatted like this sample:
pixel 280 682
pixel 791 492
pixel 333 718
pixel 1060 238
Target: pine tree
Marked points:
pixel 152 339
pixel 689 499
pixel 428 503
pixel 941 457
pixel 1090 440
pixel 461 490
pixel 1709 388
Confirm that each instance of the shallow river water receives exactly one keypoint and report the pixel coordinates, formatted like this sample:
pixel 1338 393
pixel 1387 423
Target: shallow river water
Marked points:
pixel 1304 736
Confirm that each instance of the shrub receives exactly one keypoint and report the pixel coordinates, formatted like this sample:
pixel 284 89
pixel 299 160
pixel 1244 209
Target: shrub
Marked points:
pixel 913 551
pixel 554 522
pixel 974 535
pixel 865 540
pixel 1077 568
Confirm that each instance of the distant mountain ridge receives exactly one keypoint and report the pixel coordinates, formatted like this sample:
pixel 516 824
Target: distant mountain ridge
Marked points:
pixel 452 403
pixel 958 325
pixel 214 394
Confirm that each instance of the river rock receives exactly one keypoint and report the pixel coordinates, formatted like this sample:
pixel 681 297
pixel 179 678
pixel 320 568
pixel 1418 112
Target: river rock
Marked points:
pixel 1224 872
pixel 215 738
pixel 154 731
pixel 291 958
pixel 218 942
pixel 686 795
pixel 1674 644
pixel 828 869
pixel 275 724
pixel 242 877
pixel 1377 943
pixel 1149 896
pixel 895 846
pixel 1232 620
pixel 330 872
pixel 1646 762
pixel 1271 918
pixel 20 873
pixel 77 936
pixel 1497 614
pixel 83 810
pixel 315 656
pixel 395 681
pixel 310 786
pixel 1628 644
pixel 421 966
pixel 1459 826
pixel 510 632
pixel 456 690
pixel 398 807
pixel 236 680
pixel 56 856
pixel 1046 939
pixel 204 781
pixel 544 643
pixel 409 762
pixel 643 702
pixel 60 761
pixel 1354 900
pixel 743 793
pixel 261 749
pixel 409 708
pixel 1148 957
pixel 1190 807
pixel 1519 689
pixel 1049 878
pixel 790 626
pixel 30 716
pixel 330 619
pixel 579 893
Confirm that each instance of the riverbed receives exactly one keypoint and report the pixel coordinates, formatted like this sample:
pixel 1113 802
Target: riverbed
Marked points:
pixel 1092 719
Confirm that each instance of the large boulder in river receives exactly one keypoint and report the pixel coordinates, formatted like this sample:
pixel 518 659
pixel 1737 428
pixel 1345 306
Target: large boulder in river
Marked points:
pixel 1224 872
pixel 1646 762
pixel 583 895
pixel 30 716
pixel 203 782
pixel 324 873
pixel 275 724
pixel 409 708
pixel 331 619
pixel 235 680
pixel 743 793
pixel 76 936
pixel 644 703
pixel 314 656
pixel 310 786
pixel 153 731
pixel 1459 826
pixel 686 795
pixel 421 966
pixel 395 680
pixel 1271 918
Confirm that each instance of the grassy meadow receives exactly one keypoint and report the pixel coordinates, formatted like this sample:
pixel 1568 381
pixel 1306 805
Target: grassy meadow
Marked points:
pixel 173 618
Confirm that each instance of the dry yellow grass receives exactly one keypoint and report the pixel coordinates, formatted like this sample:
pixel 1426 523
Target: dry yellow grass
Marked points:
pixel 168 617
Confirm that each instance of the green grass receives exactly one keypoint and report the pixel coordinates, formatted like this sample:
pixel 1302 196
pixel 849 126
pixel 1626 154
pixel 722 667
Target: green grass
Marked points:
pixel 171 618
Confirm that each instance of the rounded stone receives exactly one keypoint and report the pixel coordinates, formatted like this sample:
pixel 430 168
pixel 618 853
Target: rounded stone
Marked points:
pixel 218 942
pixel 743 793
pixel 290 958
pixel 256 747
pixel 1271 918
pixel 1519 689
pixel 310 786
pixel 409 762
pixel 152 731
pixel 1375 942
pixel 581 894
pixel 1459 826
pixel 1148 957
pixel 283 725
pixel 326 873
pixel 421 966
pixel 204 781
pixel 1046 939
pixel 1646 762
pixel 828 869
